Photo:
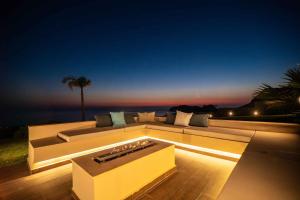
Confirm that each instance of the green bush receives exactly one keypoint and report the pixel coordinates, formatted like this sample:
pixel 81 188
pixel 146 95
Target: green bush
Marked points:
pixel 13 151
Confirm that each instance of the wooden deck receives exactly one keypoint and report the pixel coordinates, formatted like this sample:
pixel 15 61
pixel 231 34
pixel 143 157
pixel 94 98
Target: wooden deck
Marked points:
pixel 198 177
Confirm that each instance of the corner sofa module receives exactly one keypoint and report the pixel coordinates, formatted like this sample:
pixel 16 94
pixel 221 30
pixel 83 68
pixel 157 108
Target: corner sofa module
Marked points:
pixel 45 152
pixel 72 143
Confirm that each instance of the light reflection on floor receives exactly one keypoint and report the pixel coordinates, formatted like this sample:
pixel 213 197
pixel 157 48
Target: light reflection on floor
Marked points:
pixel 205 174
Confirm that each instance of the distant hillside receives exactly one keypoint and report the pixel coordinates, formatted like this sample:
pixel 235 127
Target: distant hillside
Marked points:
pixel 195 109
pixel 267 107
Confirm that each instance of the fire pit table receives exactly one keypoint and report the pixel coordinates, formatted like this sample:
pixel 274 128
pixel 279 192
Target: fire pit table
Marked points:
pixel 125 171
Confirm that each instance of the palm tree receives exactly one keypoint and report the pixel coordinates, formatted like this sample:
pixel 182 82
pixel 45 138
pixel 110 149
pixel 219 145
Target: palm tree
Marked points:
pixel 288 92
pixel 80 82
pixel 292 78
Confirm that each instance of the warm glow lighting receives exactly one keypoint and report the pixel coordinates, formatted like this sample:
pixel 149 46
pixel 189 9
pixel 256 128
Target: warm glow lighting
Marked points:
pixel 207 150
pixel 209 160
pixel 74 155
pixel 299 99
pixel 210 115
pixel 255 113
pixel 230 113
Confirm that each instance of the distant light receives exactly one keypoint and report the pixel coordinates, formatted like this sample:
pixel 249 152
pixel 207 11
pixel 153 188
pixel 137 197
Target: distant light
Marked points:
pixel 210 115
pixel 230 113
pixel 299 99
pixel 255 113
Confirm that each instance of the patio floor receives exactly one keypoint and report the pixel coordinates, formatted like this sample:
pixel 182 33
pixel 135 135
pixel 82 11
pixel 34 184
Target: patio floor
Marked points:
pixel 198 177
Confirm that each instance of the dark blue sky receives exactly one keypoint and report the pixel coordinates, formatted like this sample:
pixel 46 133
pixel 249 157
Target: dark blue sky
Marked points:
pixel 146 52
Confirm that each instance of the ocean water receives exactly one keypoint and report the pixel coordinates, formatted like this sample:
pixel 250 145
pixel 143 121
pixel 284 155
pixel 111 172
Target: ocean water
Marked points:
pixel 24 117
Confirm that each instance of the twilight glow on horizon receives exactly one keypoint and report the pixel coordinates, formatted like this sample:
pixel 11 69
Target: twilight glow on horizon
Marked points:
pixel 147 53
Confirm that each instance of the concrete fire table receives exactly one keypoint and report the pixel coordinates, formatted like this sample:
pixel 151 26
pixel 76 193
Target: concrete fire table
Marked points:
pixel 122 172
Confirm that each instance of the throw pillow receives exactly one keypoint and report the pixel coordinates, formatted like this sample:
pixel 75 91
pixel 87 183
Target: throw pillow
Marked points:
pixel 103 120
pixel 170 118
pixel 118 118
pixel 146 117
pixel 199 120
pixel 182 119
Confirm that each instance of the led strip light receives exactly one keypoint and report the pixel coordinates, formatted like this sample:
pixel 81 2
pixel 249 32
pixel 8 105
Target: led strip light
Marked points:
pixel 203 149
pixel 52 161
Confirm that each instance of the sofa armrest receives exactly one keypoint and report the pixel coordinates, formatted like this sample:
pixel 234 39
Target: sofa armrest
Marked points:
pixel 50 130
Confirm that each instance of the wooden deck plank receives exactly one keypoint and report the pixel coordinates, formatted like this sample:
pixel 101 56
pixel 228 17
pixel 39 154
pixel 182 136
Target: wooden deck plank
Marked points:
pixel 198 177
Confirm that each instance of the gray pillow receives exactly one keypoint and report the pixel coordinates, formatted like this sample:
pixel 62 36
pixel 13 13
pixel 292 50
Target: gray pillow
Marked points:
pixel 199 120
pixel 129 118
pixel 170 118
pixel 103 120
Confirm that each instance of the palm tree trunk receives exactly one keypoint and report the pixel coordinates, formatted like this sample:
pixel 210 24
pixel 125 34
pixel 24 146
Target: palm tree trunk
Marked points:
pixel 82 104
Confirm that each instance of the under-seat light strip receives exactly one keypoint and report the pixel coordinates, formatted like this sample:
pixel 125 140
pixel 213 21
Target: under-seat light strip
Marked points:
pixel 203 149
pixel 82 153
pixel 74 155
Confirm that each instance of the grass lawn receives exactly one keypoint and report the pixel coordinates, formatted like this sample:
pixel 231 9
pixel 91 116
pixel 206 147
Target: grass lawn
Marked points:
pixel 13 151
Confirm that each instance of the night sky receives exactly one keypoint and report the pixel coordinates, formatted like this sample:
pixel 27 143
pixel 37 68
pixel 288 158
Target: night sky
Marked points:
pixel 140 53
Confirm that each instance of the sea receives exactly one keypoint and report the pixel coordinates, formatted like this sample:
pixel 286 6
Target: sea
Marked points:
pixel 35 116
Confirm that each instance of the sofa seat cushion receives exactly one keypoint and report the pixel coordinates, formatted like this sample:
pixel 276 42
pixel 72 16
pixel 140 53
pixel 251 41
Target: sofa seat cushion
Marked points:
pixel 46 141
pixel 77 134
pixel 200 120
pixel 165 127
pixel 135 126
pixel 221 133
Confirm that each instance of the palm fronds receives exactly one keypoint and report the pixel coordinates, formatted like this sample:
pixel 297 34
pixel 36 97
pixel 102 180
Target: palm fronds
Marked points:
pixel 292 77
pixel 266 92
pixel 80 82
pixel 288 92
pixel 76 82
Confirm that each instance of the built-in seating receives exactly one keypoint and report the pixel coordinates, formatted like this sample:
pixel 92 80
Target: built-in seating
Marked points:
pixel 79 134
pixel 221 133
pixel 54 143
pixel 46 141
pixel 268 142
pixel 165 127
pixel 67 143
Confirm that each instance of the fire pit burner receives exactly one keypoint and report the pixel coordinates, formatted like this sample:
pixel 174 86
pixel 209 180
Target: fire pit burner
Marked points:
pixel 123 150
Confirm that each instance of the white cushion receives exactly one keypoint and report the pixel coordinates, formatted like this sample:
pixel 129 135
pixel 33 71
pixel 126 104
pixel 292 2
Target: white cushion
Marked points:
pixel 182 118
pixel 146 117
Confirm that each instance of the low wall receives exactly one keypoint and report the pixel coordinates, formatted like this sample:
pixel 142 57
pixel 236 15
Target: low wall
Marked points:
pixel 50 130
pixel 257 126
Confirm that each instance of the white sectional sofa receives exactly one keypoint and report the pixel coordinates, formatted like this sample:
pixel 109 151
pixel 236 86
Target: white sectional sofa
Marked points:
pixel 57 143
